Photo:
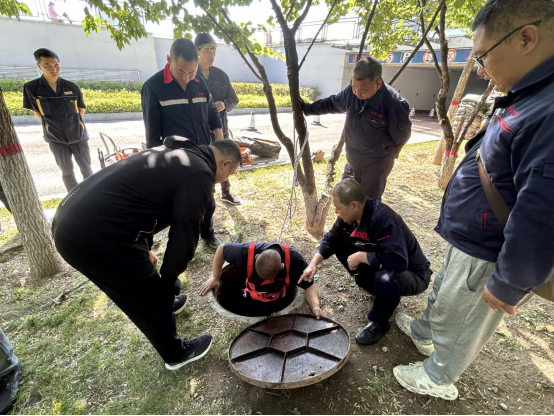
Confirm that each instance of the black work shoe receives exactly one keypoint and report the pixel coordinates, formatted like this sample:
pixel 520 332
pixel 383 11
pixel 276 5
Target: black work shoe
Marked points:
pixel 179 304
pixel 370 334
pixel 213 242
pixel 9 386
pixel 194 350
pixel 230 199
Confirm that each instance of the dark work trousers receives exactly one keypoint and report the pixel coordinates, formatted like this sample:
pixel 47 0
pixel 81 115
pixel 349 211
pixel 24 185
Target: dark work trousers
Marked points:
pixel 225 187
pixel 387 287
pixel 62 154
pixel 4 199
pixel 207 224
pixel 372 178
pixel 126 275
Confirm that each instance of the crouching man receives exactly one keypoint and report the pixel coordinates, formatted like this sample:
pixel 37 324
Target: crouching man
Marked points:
pixel 378 250
pixel 104 229
pixel 272 273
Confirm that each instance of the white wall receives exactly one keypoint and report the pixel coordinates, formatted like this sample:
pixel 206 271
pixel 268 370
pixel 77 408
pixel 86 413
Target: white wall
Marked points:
pixel 97 51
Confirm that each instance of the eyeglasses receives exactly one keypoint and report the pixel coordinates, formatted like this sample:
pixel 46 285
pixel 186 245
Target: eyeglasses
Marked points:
pixel 479 59
pixel 209 47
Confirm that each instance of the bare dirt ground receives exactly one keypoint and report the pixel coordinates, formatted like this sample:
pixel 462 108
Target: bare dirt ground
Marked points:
pixel 84 356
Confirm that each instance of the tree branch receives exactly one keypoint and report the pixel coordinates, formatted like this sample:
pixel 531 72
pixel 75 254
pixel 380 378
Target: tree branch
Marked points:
pixel 366 30
pixel 279 14
pixel 317 34
pixel 395 77
pixel 301 18
pixel 434 55
pixel 290 10
pixel 256 74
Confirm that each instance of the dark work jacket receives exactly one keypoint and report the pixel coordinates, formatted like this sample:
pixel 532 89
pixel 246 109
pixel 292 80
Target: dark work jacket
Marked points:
pixel 517 149
pixel 221 89
pixel 237 255
pixel 61 121
pixel 389 243
pixel 125 203
pixel 169 110
pixel 374 128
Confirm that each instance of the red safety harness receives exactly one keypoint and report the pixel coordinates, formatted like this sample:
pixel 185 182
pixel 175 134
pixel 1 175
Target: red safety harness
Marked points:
pixel 250 288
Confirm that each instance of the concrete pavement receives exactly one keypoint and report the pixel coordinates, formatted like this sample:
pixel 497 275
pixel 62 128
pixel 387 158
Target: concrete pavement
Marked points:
pixel 48 179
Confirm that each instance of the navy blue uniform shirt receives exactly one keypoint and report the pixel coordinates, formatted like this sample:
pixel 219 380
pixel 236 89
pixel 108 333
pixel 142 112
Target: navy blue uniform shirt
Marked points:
pixel 374 128
pixel 169 110
pixel 389 243
pixel 221 89
pixel 237 255
pixel 61 121
pixel 517 150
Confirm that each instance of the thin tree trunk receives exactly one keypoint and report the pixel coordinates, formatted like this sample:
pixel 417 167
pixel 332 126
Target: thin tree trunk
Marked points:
pixel 20 190
pixel 455 103
pixel 450 156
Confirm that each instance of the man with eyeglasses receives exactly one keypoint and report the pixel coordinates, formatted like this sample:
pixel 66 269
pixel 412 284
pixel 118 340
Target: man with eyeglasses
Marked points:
pixel 377 125
pixel 494 257
pixel 223 94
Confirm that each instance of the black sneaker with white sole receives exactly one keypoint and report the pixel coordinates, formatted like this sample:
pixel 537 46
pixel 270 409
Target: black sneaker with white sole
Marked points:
pixel 194 350
pixel 230 199
pixel 179 304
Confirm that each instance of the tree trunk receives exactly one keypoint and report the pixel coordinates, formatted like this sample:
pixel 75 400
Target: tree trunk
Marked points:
pixel 20 190
pixel 456 98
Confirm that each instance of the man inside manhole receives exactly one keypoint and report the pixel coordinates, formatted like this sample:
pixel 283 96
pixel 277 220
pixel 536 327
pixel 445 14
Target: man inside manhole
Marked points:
pixel 378 250
pixel 264 280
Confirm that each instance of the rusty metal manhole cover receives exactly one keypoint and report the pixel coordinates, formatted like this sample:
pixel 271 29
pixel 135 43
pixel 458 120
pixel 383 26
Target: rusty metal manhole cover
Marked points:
pixel 289 351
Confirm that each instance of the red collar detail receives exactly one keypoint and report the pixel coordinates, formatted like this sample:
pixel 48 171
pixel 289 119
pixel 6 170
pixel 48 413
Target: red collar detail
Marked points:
pixel 168 78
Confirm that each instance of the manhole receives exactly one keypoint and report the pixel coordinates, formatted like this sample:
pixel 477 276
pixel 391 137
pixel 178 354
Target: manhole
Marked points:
pixel 228 299
pixel 289 351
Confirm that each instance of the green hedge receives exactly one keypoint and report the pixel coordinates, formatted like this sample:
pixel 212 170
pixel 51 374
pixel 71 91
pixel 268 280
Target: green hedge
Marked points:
pixel 124 97
pixel 241 88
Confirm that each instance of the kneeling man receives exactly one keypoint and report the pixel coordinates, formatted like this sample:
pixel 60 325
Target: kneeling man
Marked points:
pixel 272 274
pixel 378 250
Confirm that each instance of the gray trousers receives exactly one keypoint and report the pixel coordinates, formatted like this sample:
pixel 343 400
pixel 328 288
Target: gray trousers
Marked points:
pixel 457 319
pixel 8 361
pixel 63 153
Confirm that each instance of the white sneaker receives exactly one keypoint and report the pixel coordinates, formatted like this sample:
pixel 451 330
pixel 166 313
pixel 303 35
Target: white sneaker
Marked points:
pixel 404 322
pixel 414 378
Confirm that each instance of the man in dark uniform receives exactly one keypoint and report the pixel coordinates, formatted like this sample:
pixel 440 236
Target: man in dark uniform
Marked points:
pixel 104 228
pixel 58 104
pixel 377 125
pixel 223 94
pixel 271 273
pixel 378 250
pixel 177 102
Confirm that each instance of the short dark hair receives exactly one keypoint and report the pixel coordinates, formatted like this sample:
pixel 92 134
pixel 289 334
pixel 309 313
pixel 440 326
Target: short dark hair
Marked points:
pixel 498 17
pixel 45 53
pixel 203 39
pixel 348 191
pixel 184 48
pixel 268 264
pixel 368 68
pixel 228 148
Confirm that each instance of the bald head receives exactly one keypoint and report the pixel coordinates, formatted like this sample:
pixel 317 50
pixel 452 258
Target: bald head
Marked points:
pixel 268 264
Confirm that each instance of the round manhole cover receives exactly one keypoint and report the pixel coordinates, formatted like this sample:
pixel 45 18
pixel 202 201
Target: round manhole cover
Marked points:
pixel 289 351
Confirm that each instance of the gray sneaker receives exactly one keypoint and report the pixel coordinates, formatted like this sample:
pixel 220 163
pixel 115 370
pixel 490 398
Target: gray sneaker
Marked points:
pixel 414 378
pixel 194 350
pixel 404 323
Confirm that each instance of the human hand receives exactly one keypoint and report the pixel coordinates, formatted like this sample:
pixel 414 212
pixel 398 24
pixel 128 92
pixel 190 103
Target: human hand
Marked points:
pixel 355 259
pixel 208 285
pixel 153 258
pixel 497 304
pixel 220 105
pixel 318 312
pixel 308 275
pixel 301 103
